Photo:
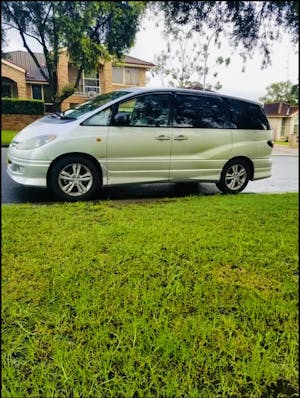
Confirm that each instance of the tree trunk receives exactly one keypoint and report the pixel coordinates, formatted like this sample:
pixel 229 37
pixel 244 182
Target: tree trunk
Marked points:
pixel 67 92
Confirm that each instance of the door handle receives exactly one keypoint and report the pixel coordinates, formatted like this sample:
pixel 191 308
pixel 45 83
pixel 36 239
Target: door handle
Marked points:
pixel 163 138
pixel 180 138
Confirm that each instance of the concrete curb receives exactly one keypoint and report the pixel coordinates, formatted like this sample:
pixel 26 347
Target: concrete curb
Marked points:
pixel 284 154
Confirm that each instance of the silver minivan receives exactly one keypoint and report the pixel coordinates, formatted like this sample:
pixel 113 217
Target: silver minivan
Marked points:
pixel 141 135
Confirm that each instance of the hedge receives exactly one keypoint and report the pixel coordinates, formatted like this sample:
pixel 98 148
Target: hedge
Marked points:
pixel 22 106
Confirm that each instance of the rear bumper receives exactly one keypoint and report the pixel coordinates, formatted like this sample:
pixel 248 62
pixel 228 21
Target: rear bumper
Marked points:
pixel 262 168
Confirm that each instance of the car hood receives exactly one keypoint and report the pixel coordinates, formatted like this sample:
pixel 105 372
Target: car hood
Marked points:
pixel 47 125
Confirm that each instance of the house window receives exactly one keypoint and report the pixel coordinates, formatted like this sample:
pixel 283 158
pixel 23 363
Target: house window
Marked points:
pixel 9 88
pixel 91 82
pixel 47 94
pixel 91 85
pixel 131 76
pixel 42 92
pixel 37 91
pixel 282 131
pixel 117 75
pixel 296 125
pixel 6 90
pixel 128 76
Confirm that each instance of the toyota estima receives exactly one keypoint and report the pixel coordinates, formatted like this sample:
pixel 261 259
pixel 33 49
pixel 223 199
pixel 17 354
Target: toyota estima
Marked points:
pixel 144 135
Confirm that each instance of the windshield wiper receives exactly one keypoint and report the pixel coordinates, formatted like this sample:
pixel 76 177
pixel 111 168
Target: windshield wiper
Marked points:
pixel 68 117
pixel 57 115
pixel 60 115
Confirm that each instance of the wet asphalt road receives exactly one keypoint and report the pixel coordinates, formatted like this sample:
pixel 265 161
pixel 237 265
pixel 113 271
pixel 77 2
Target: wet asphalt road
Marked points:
pixel 284 179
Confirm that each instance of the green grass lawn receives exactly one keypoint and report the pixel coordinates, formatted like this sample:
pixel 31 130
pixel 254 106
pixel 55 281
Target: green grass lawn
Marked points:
pixel 193 297
pixel 282 143
pixel 7 136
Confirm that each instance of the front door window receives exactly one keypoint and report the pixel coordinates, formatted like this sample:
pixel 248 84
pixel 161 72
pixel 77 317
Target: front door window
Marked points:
pixel 148 110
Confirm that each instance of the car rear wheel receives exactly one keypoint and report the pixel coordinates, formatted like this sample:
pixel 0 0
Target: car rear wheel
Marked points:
pixel 74 178
pixel 234 177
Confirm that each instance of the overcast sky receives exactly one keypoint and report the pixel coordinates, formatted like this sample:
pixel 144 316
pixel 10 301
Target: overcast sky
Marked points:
pixel 250 84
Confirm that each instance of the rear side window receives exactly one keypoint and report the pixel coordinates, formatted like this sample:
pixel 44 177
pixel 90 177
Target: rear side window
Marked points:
pixel 246 116
pixel 199 111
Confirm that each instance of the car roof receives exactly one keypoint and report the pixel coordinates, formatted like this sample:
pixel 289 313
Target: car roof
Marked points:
pixel 144 90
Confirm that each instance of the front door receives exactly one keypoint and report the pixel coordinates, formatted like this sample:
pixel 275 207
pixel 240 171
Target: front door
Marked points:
pixel 139 151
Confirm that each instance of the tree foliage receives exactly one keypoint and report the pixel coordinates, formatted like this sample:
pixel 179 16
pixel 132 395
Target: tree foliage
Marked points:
pixel 88 29
pixel 252 24
pixel 282 92
pixel 185 61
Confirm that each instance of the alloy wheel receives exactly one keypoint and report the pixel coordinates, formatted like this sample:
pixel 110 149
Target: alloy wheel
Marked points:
pixel 75 179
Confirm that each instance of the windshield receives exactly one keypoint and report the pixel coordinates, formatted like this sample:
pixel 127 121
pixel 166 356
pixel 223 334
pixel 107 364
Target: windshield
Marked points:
pixel 88 106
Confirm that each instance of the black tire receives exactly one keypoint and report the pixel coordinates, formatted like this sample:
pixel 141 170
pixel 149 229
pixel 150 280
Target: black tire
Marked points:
pixel 234 177
pixel 74 178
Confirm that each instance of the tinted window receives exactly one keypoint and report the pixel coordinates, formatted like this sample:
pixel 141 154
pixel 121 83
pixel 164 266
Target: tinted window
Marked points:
pixel 199 111
pixel 148 110
pixel 244 115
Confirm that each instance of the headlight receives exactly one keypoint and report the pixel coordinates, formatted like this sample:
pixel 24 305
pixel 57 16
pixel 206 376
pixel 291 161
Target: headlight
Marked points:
pixel 35 142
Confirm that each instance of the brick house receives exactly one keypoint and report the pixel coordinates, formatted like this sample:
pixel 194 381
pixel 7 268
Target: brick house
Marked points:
pixel 20 77
pixel 284 120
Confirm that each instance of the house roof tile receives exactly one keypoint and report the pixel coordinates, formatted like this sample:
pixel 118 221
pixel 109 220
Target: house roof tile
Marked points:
pixel 25 61
pixel 137 61
pixel 280 109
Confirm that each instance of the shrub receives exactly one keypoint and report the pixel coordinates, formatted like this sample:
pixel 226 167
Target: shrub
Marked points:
pixel 22 106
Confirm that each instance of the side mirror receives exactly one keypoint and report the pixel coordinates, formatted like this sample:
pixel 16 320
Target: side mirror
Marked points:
pixel 121 119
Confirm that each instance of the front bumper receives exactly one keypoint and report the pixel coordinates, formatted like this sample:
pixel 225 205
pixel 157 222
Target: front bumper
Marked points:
pixel 28 172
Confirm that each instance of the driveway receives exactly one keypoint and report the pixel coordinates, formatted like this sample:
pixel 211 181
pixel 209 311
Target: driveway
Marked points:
pixel 284 179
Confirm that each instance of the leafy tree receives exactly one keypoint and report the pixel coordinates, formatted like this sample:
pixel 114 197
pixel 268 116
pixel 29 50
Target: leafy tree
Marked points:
pixel 295 92
pixel 282 92
pixel 88 29
pixel 185 62
pixel 3 40
pixel 252 24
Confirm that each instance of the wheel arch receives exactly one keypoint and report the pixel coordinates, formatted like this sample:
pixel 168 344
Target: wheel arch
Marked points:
pixel 80 154
pixel 246 160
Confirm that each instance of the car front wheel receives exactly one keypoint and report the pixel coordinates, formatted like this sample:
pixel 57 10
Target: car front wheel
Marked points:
pixel 74 178
pixel 234 177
